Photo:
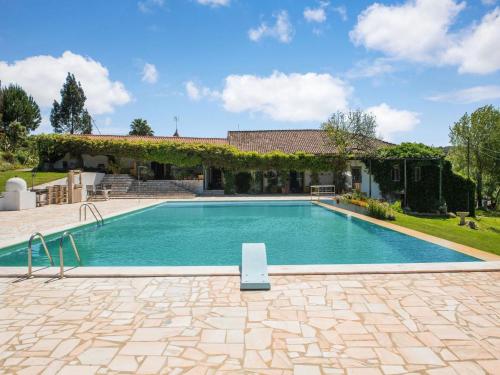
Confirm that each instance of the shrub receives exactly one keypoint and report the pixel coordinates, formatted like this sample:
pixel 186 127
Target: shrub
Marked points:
pixel 380 210
pixel 396 206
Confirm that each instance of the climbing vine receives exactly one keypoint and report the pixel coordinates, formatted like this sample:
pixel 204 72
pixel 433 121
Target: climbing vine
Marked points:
pixel 53 147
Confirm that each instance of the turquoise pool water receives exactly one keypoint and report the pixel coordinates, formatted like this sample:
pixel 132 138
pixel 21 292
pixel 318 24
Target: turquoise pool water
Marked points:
pixel 179 234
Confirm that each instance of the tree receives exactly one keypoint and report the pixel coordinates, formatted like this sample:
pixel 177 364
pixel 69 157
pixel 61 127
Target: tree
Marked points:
pixel 476 150
pixel 140 127
pixel 19 114
pixel 351 133
pixel 70 116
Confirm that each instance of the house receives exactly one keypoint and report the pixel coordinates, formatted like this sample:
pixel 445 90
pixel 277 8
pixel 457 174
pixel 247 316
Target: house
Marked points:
pixel 206 178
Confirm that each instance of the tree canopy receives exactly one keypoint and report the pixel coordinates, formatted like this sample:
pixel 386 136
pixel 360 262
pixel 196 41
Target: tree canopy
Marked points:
pixel 70 116
pixel 19 115
pixel 140 126
pixel 476 150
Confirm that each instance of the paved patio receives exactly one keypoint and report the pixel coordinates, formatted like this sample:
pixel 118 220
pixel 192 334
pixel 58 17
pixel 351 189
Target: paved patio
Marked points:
pixel 444 323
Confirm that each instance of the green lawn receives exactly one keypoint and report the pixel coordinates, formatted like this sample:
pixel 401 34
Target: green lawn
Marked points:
pixel 41 177
pixel 486 238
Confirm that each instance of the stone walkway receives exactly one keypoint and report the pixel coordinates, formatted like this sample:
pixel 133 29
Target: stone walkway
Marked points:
pixel 446 323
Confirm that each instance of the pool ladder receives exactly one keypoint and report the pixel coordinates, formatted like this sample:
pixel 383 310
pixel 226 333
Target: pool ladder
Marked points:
pixel 95 212
pixel 61 254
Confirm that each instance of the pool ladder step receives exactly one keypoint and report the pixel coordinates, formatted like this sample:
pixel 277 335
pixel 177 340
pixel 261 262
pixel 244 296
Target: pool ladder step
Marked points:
pixel 93 209
pixel 45 248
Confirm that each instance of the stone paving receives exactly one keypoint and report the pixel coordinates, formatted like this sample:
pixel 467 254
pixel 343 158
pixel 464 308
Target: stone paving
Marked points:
pixel 443 323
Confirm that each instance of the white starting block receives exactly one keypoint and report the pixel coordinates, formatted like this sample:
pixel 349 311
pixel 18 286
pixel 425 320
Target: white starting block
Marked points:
pixel 254 274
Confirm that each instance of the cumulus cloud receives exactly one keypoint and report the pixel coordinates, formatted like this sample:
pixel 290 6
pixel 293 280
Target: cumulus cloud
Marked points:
pixel 415 30
pixel 469 95
pixel 286 97
pixel 391 120
pixel 315 15
pixel 478 49
pixel 214 3
pixel 149 73
pixel 147 6
pixel 282 30
pixel 419 31
pixel 43 76
pixel 196 92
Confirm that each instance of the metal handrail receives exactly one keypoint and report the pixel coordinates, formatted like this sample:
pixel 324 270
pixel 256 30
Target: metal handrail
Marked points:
pixel 30 251
pixel 317 190
pixel 85 205
pixel 96 210
pixel 61 255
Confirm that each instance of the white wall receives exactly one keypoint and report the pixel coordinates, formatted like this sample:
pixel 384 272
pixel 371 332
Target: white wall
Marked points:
pixel 365 180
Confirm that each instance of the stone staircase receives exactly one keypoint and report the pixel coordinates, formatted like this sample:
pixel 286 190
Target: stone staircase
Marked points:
pixel 125 186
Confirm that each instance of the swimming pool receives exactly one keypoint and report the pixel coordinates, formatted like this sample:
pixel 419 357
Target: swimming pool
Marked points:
pixel 211 233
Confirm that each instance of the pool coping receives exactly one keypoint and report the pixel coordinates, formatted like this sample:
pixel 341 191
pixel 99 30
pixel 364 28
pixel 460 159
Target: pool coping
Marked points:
pixel 464 249
pixel 310 269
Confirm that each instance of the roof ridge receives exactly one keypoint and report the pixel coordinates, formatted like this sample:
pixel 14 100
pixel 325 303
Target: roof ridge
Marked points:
pixel 273 130
pixel 142 136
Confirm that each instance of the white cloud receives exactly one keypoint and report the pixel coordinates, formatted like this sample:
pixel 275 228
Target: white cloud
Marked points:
pixel 469 95
pixel 196 92
pixel 342 12
pixel 370 69
pixel 214 3
pixel 147 6
pixel 478 49
pixel 293 97
pixel 419 31
pixel 391 120
pixel 282 30
pixel 416 30
pixel 43 76
pixel 315 15
pixel 149 73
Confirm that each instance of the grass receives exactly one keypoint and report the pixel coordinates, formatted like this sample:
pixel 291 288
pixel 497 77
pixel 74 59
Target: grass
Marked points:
pixel 486 238
pixel 40 178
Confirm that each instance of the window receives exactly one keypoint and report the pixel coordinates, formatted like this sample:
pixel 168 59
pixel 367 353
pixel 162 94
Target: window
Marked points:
pixel 418 174
pixel 395 173
pixel 356 175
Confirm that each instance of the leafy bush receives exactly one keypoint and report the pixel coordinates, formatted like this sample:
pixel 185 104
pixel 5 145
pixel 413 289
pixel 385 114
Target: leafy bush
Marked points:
pixel 380 210
pixel 229 187
pixel 396 206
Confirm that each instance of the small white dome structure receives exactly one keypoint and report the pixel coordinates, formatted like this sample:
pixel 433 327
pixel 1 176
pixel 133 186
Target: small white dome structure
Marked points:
pixel 16 196
pixel 15 184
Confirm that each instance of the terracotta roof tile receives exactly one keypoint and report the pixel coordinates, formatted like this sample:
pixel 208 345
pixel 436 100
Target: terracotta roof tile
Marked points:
pixel 313 141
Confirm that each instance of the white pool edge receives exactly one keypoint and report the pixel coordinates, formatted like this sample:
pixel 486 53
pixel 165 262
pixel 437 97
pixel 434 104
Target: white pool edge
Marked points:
pixel 314 269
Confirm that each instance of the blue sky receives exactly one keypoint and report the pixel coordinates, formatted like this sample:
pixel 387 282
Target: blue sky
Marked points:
pixel 221 65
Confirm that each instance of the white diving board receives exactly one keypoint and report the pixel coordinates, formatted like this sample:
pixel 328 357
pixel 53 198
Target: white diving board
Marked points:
pixel 254 267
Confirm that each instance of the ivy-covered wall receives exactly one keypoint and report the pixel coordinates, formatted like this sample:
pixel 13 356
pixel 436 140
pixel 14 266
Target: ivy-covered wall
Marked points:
pixel 422 194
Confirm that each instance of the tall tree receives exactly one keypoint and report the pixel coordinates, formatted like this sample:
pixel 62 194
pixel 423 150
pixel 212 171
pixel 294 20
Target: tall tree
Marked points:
pixel 350 133
pixel 140 126
pixel 70 116
pixel 19 115
pixel 476 150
